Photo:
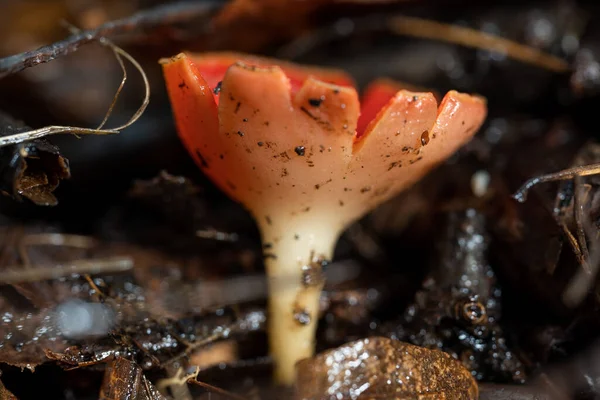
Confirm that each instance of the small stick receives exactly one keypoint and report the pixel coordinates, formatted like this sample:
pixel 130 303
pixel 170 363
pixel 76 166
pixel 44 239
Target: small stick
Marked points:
pixel 216 389
pixel 177 379
pixel 590 260
pixel 566 174
pixel 163 15
pixel 209 339
pixel 427 29
pixel 422 28
pixel 13 275
pixel 178 383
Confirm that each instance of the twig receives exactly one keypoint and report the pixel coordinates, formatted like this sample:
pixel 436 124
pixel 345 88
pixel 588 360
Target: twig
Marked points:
pixel 99 294
pixel 160 16
pixel 209 339
pixel 176 379
pixel 584 278
pixel 16 274
pixel 177 383
pixel 216 389
pixel 566 174
pixel 426 29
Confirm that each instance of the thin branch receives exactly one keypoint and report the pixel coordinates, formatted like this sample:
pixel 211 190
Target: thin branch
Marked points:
pixel 216 389
pixel 177 383
pixel 584 278
pixel 468 37
pixel 193 346
pixel 566 174
pixel 426 29
pixel 142 21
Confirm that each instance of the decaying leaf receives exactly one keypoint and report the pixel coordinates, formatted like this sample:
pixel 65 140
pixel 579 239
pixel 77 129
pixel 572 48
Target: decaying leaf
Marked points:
pixel 124 380
pixel 381 368
pixel 32 169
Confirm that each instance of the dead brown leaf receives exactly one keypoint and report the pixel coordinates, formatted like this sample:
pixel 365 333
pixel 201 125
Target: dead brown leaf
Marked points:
pixel 382 368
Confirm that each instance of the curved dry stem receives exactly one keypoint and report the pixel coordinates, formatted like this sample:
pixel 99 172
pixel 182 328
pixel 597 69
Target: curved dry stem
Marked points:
pixel 117 93
pixel 146 101
pixel 521 194
pixel 53 130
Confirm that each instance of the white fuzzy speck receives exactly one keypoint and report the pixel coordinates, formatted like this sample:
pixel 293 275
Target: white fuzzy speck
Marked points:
pixel 78 319
pixel 480 182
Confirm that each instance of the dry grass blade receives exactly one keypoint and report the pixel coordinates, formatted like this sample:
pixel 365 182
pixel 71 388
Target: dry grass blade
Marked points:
pixel 423 28
pixel 14 274
pixel 53 130
pixel 58 239
pixel 51 239
pixel 27 272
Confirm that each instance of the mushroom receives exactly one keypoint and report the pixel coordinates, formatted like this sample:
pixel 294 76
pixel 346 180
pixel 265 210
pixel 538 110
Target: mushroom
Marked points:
pixel 282 140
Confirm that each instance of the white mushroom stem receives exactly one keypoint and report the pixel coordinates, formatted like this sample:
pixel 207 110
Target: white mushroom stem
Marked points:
pixel 295 250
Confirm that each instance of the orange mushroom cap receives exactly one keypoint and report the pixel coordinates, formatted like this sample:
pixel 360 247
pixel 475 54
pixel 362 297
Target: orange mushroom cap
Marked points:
pixel 213 66
pixel 292 131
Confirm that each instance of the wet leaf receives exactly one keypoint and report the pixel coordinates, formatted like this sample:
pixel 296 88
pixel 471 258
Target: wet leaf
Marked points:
pixel 124 380
pixel 381 368
pixel 33 169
